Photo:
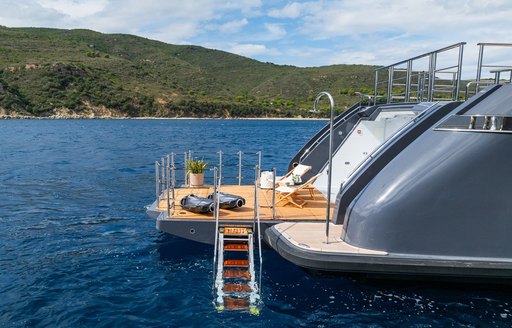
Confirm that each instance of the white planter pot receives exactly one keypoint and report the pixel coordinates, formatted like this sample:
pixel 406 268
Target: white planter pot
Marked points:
pixel 196 180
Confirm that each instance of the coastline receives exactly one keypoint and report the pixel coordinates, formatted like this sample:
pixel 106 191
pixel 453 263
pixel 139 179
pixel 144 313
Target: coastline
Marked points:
pixel 7 117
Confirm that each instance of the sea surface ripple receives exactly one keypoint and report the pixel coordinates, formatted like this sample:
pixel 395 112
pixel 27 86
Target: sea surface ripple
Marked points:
pixel 77 249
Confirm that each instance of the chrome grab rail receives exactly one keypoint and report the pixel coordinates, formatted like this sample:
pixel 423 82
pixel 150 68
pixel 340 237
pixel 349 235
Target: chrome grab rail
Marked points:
pixel 329 172
pixel 477 87
pixel 257 218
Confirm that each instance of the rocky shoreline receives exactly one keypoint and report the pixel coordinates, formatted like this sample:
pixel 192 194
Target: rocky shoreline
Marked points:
pixel 104 113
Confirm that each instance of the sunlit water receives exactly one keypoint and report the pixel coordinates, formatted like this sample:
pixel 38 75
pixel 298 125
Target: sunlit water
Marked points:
pixel 77 249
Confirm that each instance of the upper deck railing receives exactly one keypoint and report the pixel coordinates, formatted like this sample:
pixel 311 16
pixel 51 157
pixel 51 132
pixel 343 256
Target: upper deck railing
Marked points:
pixel 496 73
pixel 431 76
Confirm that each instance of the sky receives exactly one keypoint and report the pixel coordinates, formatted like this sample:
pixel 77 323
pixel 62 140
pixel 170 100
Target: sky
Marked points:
pixel 299 33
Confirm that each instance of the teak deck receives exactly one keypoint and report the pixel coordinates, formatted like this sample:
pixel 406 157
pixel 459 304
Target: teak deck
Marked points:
pixel 314 209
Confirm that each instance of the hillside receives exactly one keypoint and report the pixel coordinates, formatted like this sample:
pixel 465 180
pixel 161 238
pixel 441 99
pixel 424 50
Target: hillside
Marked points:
pixel 82 73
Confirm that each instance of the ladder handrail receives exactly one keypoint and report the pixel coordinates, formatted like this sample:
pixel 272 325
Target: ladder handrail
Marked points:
pixel 257 216
pixel 216 215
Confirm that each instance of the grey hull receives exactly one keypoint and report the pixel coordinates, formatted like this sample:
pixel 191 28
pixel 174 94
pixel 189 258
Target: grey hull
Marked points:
pixel 202 231
pixel 392 265
pixel 445 192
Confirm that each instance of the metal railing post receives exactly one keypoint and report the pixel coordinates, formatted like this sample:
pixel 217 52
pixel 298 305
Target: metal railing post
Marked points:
pixel 157 182
pixel 259 159
pixel 390 84
pixel 479 65
pixel 408 81
pixel 240 168
pixel 220 166
pixel 168 185
pixel 173 181
pixel 273 193
pixel 162 168
pixel 375 91
pixel 259 166
pixel 256 203
pixel 431 76
pixel 459 71
pixel 185 168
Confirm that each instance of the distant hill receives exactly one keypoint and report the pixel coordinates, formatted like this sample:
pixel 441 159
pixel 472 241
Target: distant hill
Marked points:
pixel 82 73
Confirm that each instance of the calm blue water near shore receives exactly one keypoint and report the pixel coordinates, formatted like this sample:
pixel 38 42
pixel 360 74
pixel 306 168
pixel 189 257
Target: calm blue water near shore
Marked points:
pixel 76 248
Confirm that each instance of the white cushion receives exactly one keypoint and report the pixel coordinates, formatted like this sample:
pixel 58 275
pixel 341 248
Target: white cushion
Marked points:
pixel 300 169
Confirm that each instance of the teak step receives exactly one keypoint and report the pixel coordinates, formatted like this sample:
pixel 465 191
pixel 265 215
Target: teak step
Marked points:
pixel 236 247
pixel 236 288
pixel 232 303
pixel 235 231
pixel 236 263
pixel 237 274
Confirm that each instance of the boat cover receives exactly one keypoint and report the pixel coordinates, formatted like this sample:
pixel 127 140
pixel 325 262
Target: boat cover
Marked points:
pixel 228 201
pixel 197 204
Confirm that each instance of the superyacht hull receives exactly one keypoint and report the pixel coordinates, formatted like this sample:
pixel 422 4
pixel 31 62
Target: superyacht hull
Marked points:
pixel 337 256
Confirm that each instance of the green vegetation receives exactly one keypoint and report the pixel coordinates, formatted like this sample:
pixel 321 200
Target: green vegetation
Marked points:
pixel 196 166
pixel 81 71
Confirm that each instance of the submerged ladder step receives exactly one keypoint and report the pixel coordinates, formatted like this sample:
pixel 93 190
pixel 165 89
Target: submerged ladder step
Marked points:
pixel 233 303
pixel 236 288
pixel 235 231
pixel 236 247
pixel 241 238
pixel 236 263
pixel 244 274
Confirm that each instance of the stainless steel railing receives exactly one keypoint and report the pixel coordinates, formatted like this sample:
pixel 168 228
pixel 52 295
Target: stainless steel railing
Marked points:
pixel 171 171
pixel 399 79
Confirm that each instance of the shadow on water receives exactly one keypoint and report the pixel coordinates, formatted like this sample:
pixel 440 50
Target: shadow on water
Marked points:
pixel 172 249
pixel 413 281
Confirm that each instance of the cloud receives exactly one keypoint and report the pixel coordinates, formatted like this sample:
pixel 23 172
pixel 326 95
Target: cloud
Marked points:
pixel 169 21
pixel 75 9
pixel 345 18
pixel 304 32
pixel 251 50
pixel 274 31
pixel 232 26
pixel 291 10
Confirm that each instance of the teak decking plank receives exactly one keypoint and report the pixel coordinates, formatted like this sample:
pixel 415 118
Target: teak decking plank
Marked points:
pixel 314 210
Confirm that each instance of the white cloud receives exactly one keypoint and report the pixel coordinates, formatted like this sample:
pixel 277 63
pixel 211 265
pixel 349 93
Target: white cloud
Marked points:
pixel 250 50
pixel 344 18
pixel 291 10
pixel 75 9
pixel 274 31
pixel 232 26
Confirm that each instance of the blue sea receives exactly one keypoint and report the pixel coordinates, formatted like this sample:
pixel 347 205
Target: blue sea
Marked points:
pixel 77 250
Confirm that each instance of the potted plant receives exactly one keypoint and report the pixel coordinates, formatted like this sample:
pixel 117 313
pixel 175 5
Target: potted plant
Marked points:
pixel 195 170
